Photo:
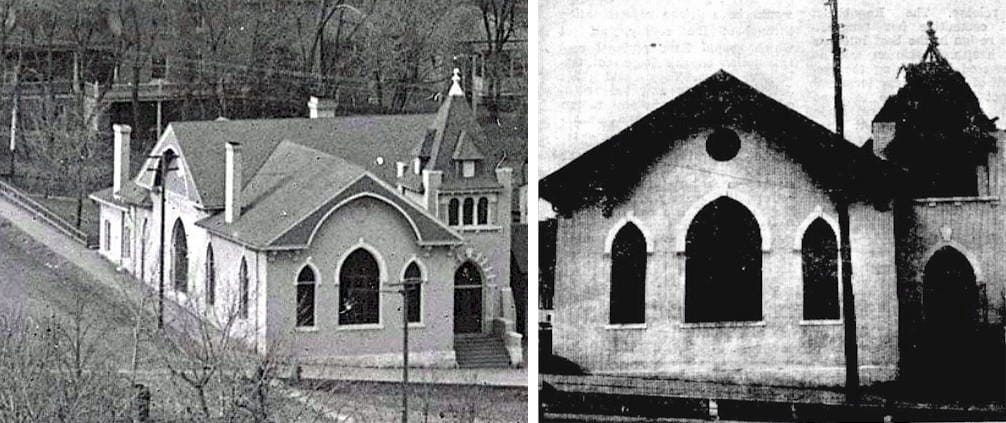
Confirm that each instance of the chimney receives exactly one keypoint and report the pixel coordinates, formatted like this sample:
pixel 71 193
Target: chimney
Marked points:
pixel 883 134
pixel 232 183
pixel 121 158
pixel 321 108
pixel 400 168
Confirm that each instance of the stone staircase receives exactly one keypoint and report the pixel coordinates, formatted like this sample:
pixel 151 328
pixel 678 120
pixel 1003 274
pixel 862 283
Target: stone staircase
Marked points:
pixel 480 351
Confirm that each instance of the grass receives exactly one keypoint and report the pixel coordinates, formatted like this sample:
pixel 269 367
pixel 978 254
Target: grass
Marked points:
pixel 67 209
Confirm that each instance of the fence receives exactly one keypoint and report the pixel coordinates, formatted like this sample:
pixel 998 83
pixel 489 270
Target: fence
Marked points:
pixel 21 199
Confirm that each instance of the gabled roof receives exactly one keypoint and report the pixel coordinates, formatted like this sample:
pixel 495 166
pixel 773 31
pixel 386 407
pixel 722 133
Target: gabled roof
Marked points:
pixel 720 99
pixel 466 149
pixel 373 143
pixel 295 189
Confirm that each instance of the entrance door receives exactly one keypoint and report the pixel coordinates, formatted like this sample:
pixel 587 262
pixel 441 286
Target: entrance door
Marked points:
pixel 467 299
pixel 950 304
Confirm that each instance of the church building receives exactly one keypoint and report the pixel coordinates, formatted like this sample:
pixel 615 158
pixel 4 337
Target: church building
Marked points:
pixel 305 232
pixel 706 241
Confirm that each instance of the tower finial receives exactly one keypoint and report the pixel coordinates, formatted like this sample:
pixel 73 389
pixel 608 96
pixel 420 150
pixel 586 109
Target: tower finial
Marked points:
pixel 932 53
pixel 456 84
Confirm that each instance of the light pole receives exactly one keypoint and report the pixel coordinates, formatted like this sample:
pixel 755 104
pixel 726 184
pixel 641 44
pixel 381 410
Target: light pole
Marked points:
pixel 163 161
pixel 406 285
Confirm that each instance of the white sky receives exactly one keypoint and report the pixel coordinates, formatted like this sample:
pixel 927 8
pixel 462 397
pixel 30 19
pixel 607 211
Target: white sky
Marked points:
pixel 605 64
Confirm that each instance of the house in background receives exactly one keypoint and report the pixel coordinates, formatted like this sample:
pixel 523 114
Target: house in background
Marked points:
pixel 303 230
pixel 715 253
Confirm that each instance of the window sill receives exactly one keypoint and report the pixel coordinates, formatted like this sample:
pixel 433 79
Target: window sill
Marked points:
pixel 363 326
pixel 626 326
pixel 823 322
pixel 305 329
pixel 721 325
pixel 417 325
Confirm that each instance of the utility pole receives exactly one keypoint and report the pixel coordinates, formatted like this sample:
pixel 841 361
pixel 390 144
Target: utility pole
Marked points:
pixel 848 298
pixel 163 161
pixel 405 351
pixel 406 286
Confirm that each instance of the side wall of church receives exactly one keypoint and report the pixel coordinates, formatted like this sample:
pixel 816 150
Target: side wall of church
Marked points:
pixel 782 348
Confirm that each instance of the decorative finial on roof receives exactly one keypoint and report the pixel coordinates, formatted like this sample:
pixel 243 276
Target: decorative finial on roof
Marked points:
pixel 932 53
pixel 456 84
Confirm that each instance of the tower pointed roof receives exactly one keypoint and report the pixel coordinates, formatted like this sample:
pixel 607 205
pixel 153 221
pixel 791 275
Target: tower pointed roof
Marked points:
pixel 455 135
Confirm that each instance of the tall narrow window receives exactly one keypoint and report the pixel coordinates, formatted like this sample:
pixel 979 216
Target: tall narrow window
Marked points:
pixel 243 289
pixel 414 290
pixel 180 257
pixel 127 238
pixel 468 211
pixel 452 212
pixel 723 261
pixel 305 297
pixel 483 211
pixel 108 236
pixel 628 276
pixel 211 277
pixel 819 251
pixel 359 281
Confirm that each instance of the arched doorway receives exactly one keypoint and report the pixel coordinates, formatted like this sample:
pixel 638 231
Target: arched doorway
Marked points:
pixel 467 299
pixel 950 318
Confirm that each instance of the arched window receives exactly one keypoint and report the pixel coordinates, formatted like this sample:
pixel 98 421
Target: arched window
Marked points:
pixel 628 276
pixel 179 257
pixel 452 212
pixel 723 264
pixel 483 211
pixel 468 211
pixel 359 281
pixel 414 289
pixel 243 289
pixel 211 277
pixel 819 251
pixel 305 297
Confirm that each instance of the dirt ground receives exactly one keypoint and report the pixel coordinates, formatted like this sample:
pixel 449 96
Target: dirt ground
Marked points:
pixel 382 401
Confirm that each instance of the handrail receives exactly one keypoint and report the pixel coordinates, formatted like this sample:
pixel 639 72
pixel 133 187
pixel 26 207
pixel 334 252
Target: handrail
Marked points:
pixel 48 216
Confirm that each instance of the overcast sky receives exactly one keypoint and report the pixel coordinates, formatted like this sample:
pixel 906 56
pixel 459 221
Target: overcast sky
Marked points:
pixel 605 64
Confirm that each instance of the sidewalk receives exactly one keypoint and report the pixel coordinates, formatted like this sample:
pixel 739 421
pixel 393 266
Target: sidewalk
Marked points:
pixel 103 271
pixel 510 377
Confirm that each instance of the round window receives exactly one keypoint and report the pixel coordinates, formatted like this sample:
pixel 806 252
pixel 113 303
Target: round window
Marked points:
pixel 723 144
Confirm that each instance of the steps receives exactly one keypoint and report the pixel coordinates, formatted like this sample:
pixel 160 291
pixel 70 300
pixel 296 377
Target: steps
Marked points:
pixel 480 351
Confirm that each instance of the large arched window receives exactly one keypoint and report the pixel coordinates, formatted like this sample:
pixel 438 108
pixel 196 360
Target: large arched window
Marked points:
pixel 359 281
pixel 243 289
pixel 414 289
pixel 179 257
pixel 819 251
pixel 483 211
pixel 305 297
pixel 211 277
pixel 628 276
pixel 452 212
pixel 723 264
pixel 468 211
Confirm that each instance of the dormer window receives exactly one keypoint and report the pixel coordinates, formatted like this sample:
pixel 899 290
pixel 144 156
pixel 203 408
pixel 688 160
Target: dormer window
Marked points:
pixel 468 168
